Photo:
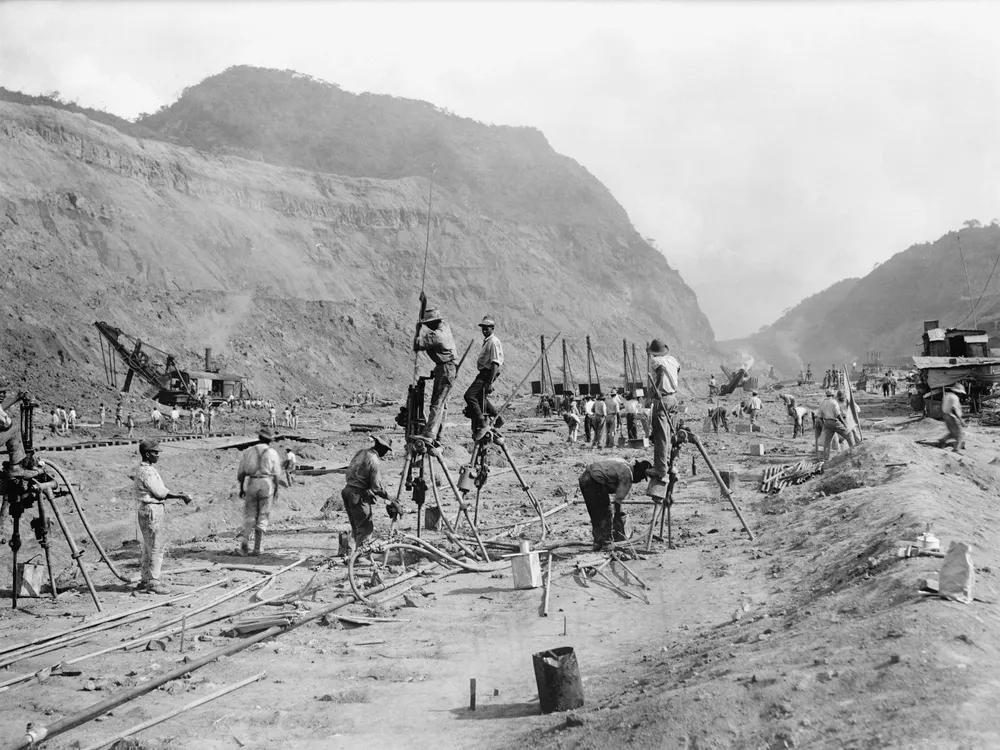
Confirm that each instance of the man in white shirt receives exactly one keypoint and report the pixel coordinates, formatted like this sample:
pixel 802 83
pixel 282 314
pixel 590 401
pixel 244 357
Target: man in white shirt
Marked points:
pixel 666 371
pixel 600 419
pixel 489 363
pixel 257 476
pixel 588 417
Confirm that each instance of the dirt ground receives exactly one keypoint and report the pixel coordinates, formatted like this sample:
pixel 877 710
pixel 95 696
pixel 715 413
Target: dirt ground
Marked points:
pixel 813 635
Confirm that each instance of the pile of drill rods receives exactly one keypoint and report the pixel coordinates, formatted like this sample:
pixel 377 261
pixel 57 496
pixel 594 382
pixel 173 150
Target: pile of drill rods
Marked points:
pixel 162 630
pixel 36 734
pixel 76 637
pixel 776 478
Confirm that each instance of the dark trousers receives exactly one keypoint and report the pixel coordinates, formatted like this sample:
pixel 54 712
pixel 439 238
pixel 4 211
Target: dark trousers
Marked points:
pixel 11 439
pixel 444 378
pixel 605 526
pixel 588 423
pixel 630 427
pixel 661 435
pixel 478 404
pixel 359 513
pixel 719 417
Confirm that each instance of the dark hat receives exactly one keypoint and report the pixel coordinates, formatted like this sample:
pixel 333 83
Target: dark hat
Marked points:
pixel 657 347
pixel 829 391
pixel 384 440
pixel 487 322
pixel 430 315
pixel 149 445
pixel 266 433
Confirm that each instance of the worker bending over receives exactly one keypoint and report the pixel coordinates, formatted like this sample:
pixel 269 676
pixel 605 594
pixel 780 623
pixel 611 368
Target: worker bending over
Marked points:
pixel 364 484
pixel 603 483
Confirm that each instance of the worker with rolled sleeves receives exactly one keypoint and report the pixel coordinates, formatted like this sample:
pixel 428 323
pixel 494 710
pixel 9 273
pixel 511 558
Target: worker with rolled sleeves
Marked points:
pixel 834 423
pixel 666 372
pixel 603 483
pixel 364 484
pixel 490 360
pixel 150 494
pixel 260 468
pixel 439 344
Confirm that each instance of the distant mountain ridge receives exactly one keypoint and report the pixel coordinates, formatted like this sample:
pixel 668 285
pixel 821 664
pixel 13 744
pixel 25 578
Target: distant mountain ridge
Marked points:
pixel 885 310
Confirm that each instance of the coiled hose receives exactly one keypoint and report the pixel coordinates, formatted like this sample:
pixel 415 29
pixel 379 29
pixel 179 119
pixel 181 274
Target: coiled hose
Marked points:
pixel 421 547
pixel 86 524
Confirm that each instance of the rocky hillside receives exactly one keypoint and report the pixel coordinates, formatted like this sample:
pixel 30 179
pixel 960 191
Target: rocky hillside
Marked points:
pixel 298 261
pixel 885 310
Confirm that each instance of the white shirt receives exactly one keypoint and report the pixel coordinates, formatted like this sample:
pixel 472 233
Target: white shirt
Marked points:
pixel 175 414
pixel 667 383
pixel 588 407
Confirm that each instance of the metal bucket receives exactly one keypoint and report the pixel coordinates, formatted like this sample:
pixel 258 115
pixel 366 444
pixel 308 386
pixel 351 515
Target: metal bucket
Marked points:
pixel 557 675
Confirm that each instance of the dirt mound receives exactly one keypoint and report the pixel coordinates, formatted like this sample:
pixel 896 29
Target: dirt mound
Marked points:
pixel 844 652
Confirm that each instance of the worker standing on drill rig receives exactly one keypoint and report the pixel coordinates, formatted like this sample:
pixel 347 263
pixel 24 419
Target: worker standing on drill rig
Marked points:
pixel 439 344
pixel 150 492
pixel 666 370
pixel 477 396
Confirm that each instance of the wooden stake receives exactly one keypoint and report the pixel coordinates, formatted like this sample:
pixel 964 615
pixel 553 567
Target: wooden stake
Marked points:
pixel 184 622
pixel 472 694
pixel 548 587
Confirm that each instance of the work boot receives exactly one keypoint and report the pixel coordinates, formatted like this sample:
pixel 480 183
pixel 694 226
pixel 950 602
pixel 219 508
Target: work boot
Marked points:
pixel 155 587
pixel 258 543
pixel 480 434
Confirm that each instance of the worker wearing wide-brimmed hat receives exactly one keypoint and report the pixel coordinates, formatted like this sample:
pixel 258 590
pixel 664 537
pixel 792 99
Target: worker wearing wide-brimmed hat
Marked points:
pixel 951 411
pixel 257 476
pixel 439 344
pixel 666 371
pixel 478 405
pixel 150 492
pixel 364 484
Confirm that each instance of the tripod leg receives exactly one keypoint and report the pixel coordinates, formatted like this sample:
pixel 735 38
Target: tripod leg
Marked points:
pixel 722 485
pixel 475 515
pixel 670 531
pixel 652 527
pixel 75 552
pixel 44 542
pixel 462 507
pixel 402 475
pixel 526 488
pixel 15 545
pixel 444 518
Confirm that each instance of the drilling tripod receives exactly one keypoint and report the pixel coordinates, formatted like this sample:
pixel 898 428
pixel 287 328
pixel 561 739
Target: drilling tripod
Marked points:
pixel 30 485
pixel 418 467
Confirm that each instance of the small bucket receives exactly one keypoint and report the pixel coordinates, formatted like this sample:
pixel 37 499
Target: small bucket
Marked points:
pixel 29 579
pixel 432 517
pixel 557 675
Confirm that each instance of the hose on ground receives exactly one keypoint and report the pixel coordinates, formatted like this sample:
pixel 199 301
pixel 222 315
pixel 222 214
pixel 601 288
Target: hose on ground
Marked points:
pixel 425 548
pixel 86 524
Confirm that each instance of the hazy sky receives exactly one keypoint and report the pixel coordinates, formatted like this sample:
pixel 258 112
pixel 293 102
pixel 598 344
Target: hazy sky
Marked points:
pixel 768 149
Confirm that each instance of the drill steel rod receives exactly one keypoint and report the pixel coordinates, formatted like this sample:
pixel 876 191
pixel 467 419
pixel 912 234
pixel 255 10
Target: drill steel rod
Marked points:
pixel 531 369
pixel 444 518
pixel 463 508
pixel 44 542
pixel 171 714
pixel 526 488
pixel 722 485
pixel 548 587
pixel 75 552
pixel 93 624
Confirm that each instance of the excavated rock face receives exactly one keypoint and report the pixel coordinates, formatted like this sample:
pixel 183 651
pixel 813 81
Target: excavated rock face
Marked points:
pixel 306 281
